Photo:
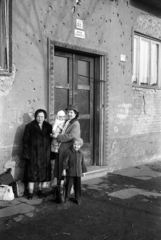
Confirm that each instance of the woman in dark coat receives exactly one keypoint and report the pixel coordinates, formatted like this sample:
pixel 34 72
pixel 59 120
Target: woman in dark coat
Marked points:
pixel 65 140
pixel 36 151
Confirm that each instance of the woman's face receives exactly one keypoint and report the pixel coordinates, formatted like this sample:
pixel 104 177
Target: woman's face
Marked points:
pixel 40 117
pixel 71 114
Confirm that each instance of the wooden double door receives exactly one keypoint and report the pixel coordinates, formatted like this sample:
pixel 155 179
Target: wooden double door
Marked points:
pixel 74 84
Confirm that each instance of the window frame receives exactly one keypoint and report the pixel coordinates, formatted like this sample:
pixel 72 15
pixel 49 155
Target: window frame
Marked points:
pixel 8 10
pixel 151 40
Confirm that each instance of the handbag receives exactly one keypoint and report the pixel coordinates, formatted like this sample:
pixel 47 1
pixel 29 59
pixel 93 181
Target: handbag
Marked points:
pixel 18 188
pixel 6 178
pixel 6 193
pixel 61 191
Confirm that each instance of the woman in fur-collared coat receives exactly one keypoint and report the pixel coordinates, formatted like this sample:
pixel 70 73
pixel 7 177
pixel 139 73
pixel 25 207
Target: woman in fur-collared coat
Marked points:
pixel 36 151
pixel 65 140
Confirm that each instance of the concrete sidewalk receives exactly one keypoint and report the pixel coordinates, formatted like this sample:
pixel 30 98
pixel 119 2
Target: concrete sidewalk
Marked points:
pixel 141 184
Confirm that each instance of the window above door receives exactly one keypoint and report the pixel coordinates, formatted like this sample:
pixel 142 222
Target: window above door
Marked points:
pixel 5 37
pixel 146 61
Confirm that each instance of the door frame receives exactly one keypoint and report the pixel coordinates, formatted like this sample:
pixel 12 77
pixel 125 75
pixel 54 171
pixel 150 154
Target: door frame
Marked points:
pixel 100 95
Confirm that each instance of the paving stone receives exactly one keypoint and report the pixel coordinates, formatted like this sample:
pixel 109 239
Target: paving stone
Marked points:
pixel 34 201
pixel 9 203
pixel 19 218
pixel 16 209
pixel 143 172
pixel 29 214
pixel 131 192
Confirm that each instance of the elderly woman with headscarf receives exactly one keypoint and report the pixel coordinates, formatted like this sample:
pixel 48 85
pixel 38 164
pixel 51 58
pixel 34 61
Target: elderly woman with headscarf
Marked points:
pixel 36 151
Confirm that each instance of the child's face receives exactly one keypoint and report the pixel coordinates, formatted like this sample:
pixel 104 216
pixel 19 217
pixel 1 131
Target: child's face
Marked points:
pixel 61 118
pixel 76 145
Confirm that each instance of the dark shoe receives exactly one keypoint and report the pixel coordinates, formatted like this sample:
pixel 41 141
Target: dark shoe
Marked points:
pixel 66 200
pixel 30 196
pixel 39 193
pixel 78 202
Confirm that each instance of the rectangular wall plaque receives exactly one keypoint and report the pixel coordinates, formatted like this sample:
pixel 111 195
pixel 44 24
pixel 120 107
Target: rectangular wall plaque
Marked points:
pixel 79 24
pixel 79 33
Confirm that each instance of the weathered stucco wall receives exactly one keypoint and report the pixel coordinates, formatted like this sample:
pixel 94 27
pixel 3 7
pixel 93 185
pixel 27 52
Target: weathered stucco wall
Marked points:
pixel 108 27
pixel 137 124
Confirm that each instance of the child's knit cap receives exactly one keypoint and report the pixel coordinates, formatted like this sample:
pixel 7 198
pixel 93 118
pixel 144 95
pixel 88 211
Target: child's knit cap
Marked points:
pixel 78 139
pixel 61 113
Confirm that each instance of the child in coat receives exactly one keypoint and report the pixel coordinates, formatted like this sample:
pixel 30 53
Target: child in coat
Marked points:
pixel 73 168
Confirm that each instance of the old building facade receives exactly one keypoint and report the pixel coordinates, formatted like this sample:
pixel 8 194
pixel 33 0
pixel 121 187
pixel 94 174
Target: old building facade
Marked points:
pixel 102 55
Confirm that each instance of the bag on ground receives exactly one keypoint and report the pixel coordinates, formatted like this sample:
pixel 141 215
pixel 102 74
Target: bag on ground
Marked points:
pixel 6 193
pixel 6 178
pixel 18 188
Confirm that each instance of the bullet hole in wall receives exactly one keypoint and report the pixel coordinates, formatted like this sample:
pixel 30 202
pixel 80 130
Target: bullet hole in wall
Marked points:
pixel 78 2
pixel 73 9
pixel 39 41
pixel 34 89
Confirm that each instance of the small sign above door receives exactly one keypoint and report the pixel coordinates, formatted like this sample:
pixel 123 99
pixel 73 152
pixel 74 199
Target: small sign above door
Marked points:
pixel 79 24
pixel 79 33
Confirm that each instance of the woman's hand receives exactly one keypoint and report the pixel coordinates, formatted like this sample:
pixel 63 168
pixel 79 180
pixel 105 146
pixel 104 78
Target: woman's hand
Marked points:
pixel 54 135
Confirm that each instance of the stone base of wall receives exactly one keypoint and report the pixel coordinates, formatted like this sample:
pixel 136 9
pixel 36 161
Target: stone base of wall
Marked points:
pixel 133 151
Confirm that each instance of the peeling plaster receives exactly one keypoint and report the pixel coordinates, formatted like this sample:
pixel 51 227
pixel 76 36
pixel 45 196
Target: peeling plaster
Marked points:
pixel 6 83
pixel 123 110
pixel 149 25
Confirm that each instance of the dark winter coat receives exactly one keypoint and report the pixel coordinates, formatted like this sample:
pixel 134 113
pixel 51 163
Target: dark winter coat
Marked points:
pixel 74 163
pixel 36 150
pixel 72 131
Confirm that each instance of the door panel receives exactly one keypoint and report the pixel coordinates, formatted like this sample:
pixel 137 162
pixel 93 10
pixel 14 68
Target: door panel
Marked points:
pixel 74 76
pixel 84 74
pixel 63 81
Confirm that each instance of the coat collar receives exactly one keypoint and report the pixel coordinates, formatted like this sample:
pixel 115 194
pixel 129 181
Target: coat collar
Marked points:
pixel 74 151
